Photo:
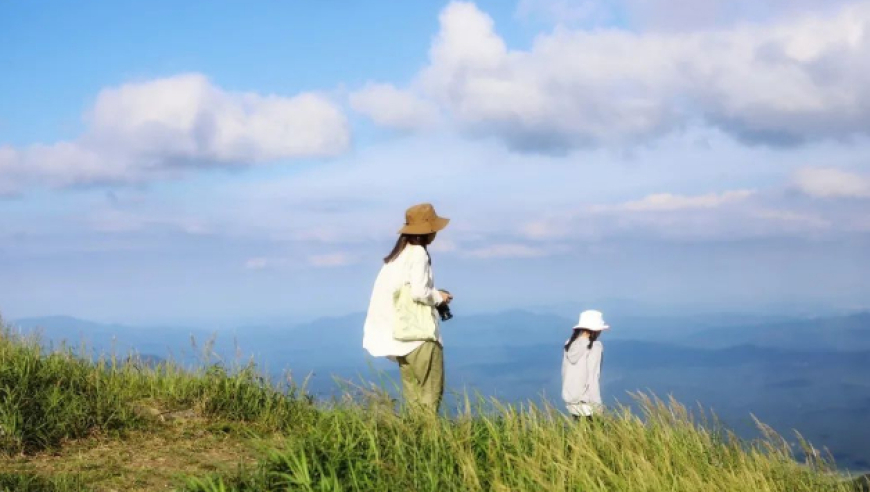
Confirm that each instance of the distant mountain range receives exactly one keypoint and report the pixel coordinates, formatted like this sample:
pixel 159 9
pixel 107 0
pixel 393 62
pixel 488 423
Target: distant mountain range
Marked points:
pixel 808 374
pixel 846 333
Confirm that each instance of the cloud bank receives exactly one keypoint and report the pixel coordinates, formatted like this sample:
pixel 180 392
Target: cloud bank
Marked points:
pixel 826 182
pixel 157 129
pixel 798 79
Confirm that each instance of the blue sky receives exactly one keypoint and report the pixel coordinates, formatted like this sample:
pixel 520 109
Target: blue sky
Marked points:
pixel 229 162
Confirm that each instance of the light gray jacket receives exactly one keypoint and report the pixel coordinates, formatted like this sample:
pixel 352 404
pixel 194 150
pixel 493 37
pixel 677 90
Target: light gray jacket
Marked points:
pixel 581 369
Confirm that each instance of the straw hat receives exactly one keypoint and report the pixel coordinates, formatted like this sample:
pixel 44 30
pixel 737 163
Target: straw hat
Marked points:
pixel 422 219
pixel 592 320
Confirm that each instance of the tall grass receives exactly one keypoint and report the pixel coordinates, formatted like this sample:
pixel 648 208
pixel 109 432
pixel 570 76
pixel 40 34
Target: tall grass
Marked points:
pixel 22 482
pixel 524 448
pixel 363 444
pixel 46 398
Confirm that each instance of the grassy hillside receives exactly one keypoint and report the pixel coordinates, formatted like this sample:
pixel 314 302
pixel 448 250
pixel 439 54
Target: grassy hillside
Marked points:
pixel 68 424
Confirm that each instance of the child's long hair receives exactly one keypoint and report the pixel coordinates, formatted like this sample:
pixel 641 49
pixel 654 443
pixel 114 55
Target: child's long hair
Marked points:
pixel 593 335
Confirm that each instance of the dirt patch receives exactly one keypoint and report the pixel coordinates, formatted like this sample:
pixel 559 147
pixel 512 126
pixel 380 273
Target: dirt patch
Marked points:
pixel 159 459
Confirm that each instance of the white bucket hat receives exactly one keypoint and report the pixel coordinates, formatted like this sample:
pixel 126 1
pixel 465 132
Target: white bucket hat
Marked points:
pixel 592 320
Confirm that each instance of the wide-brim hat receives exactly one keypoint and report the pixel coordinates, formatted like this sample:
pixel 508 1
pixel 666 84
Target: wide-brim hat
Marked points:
pixel 422 219
pixel 591 320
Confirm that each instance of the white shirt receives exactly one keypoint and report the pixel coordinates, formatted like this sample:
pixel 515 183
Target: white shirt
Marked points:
pixel 410 267
pixel 581 371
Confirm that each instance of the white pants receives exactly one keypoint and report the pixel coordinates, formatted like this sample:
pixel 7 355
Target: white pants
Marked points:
pixel 584 409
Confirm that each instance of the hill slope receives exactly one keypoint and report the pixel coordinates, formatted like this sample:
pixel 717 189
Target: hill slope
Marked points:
pixel 75 407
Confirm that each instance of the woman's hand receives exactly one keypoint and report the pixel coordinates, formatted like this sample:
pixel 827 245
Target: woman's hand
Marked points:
pixel 445 297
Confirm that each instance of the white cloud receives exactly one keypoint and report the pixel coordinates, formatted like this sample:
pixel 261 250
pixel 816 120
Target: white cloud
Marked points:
pixel 188 118
pixel 825 182
pixel 535 200
pixel 788 216
pixel 667 202
pixel 393 108
pixel 331 260
pixel 507 250
pixel 156 129
pixel 531 200
pixel 798 79
pixel 540 229
pixel 709 217
pixel 444 246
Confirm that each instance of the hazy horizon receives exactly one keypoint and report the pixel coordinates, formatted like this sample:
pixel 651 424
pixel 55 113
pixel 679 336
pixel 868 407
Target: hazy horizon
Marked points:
pixel 567 310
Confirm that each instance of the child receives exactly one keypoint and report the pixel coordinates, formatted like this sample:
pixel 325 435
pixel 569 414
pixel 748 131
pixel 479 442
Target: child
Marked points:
pixel 581 366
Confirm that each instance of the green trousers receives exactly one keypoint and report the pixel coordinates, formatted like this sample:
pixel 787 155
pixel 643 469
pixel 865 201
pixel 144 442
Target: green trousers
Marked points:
pixel 423 376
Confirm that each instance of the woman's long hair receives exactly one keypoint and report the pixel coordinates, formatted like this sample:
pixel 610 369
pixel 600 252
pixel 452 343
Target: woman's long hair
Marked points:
pixel 593 335
pixel 406 239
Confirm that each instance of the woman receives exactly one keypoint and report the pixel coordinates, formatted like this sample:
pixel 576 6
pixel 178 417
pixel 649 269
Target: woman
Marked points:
pixel 581 366
pixel 421 362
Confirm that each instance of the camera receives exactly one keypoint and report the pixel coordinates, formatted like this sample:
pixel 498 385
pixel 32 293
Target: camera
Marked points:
pixel 444 310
